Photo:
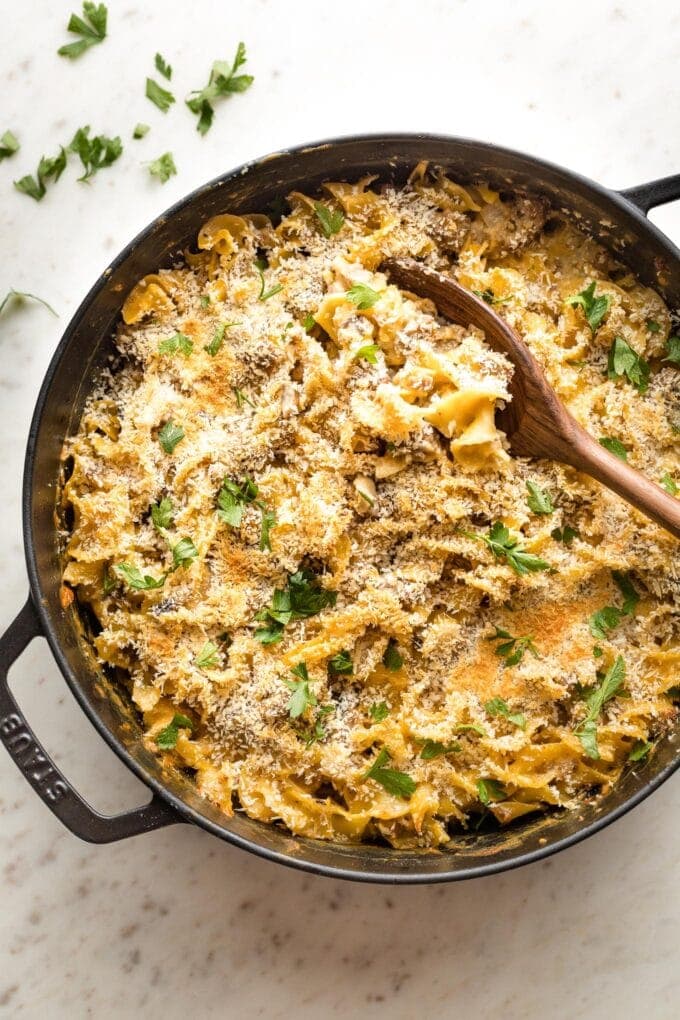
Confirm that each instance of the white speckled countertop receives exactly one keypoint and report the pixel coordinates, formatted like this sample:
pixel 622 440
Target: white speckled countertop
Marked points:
pixel 176 922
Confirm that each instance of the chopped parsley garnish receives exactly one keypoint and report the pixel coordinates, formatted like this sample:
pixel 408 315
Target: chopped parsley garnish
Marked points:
pixel 302 697
pixel 605 620
pixel 511 648
pixel 95 153
pixel 159 96
pixel 134 578
pixel 504 547
pixel 597 652
pixel 22 295
pixel 539 500
pixel 488 296
pixel 264 295
pixel 625 362
pixel 667 482
pixel 399 784
pixel 162 67
pixel 91 28
pixel 140 131
pixel 170 435
pixel 379 711
pixel 464 727
pixel 162 514
pixel 50 168
pixel 567 534
pixel 9 144
pixel 499 706
pixel 109 582
pixel 218 339
pixel 434 749
pixel 614 446
pixel 594 308
pixel 363 296
pixel 608 688
pixel 341 664
pixel 369 352
pixel 391 657
pixel 163 168
pixel 309 322
pixel 205 300
pixel 490 790
pixel 178 342
pixel 208 657
pixel 232 499
pixel 317 731
pixel 183 553
pixel 640 750
pixel 267 523
pixel 166 739
pixel 242 398
pixel 673 348
pixel 330 220
pixel 302 597
pixel 653 326
pixel 223 81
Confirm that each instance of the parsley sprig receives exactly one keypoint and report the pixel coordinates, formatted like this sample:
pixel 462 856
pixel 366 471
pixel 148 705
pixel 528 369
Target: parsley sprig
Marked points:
pixel 95 153
pixel 609 686
pixel 264 295
pixel 170 435
pixel 615 446
pixel 163 168
pixel 605 620
pixel 363 296
pixel 50 168
pixel 208 657
pixel 499 706
pixel 302 597
pixel 232 500
pixel 505 547
pixel 330 220
pixel 624 362
pixel 594 308
pixel 490 790
pixel 223 81
pixel 399 784
pixel 539 500
pixel 159 96
pixel 91 28
pixel 435 749
pixel 178 342
pixel 512 649
pixel 166 739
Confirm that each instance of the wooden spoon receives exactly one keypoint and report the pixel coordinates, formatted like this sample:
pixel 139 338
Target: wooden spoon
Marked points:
pixel 536 422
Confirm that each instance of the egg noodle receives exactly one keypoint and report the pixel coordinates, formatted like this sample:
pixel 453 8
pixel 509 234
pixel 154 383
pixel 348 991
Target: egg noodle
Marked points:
pixel 333 593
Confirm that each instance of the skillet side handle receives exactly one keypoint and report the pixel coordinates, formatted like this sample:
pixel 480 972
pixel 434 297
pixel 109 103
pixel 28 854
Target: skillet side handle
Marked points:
pixel 41 772
pixel 647 196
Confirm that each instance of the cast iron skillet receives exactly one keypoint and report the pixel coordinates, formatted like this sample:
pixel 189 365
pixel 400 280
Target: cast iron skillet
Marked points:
pixel 617 218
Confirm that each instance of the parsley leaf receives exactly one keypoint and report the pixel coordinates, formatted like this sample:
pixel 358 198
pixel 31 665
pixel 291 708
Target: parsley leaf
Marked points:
pixel 604 620
pixel 162 514
pixel 653 326
pixel 218 339
pixel 399 784
pixel 166 739
pixel 267 523
pixel 309 322
pixel 242 398
pixel 391 657
pixel 223 81
pixel 22 295
pixel 91 28
pixel 538 500
pixel 488 296
pixel 667 482
pixel 341 664
pixel 163 168
pixel 379 711
pixel 183 553
pixel 363 296
pixel 330 220
pixel 233 497
pixel 162 67
pixel 504 547
pixel 302 698
pixel 594 308
pixel 566 534
pixel 624 361
pixel 609 687
pixel 170 435
pixel 95 153
pixel 490 790
pixel 614 446
pixel 178 342
pixel 640 750
pixel 464 727
pixel 50 168
pixel 264 295
pixel 134 578
pixel 208 657
pixel 140 130
pixel 434 749
pixel 158 95
pixel 673 348
pixel 303 597
pixel 369 353
pixel 9 144
pixel 498 706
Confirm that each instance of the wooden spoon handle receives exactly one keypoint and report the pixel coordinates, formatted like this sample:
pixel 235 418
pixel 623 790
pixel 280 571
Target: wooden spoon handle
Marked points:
pixel 586 454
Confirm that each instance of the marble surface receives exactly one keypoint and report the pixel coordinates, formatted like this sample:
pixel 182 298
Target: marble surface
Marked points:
pixel 176 922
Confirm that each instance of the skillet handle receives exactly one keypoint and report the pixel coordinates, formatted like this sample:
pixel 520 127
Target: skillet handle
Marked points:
pixel 647 196
pixel 41 772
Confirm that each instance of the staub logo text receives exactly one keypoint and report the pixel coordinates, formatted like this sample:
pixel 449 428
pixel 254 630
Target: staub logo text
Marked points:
pixel 30 759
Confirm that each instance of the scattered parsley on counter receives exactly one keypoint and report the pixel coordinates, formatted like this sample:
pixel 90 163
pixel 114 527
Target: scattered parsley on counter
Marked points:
pixel 91 28
pixel 391 657
pixel 608 688
pixel 594 308
pixel 23 295
pixel 614 446
pixel 163 168
pixel 140 131
pixel 159 96
pixel 9 144
pixel 538 500
pixel 223 81
pixel 166 739
pixel 363 296
pixel 330 220
pixel 504 547
pixel 176 343
pixel 511 648
pixel 499 706
pixel 399 784
pixel 95 153
pixel 50 168
pixel 162 67
pixel 624 362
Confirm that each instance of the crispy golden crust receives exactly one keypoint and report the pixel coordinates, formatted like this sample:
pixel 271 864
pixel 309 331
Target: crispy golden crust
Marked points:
pixel 382 477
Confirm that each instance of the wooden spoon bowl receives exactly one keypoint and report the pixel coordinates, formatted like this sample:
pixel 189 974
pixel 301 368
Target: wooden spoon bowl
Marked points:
pixel 536 422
